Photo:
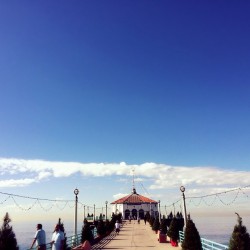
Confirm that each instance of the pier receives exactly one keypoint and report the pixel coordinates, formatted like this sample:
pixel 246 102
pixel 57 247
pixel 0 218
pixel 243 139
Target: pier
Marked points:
pixel 134 236
pixel 137 236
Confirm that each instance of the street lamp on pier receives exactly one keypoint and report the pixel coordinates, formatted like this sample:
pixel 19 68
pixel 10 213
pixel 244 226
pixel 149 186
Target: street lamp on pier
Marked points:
pixel 106 202
pixel 182 188
pixel 159 202
pixel 94 213
pixel 76 192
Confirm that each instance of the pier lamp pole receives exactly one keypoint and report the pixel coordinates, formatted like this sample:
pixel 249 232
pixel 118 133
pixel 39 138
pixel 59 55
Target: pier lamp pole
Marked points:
pixel 182 188
pixel 94 213
pixel 76 192
pixel 159 211
pixel 106 202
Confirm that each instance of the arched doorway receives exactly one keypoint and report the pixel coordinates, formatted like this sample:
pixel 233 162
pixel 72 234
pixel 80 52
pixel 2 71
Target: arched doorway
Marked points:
pixel 127 213
pixel 134 213
pixel 141 214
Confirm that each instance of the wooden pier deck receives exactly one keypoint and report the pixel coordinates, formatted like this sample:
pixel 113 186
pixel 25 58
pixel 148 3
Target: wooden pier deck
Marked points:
pixel 134 236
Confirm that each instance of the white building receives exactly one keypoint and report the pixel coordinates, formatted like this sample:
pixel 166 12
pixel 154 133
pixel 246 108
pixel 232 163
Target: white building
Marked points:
pixel 135 205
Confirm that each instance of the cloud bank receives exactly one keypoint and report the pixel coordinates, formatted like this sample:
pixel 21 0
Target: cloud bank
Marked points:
pixel 20 172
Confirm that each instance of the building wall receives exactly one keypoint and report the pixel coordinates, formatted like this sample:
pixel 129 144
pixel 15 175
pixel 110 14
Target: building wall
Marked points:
pixel 135 210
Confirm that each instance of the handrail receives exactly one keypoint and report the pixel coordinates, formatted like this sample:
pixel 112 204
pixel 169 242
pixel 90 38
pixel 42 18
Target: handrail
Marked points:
pixel 206 244
pixel 71 241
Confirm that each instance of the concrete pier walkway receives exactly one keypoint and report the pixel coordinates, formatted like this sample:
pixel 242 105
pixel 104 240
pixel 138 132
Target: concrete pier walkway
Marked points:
pixel 134 236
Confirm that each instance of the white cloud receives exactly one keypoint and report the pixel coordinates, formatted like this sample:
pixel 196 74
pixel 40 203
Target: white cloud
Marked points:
pixel 118 196
pixel 16 183
pixel 159 176
pixel 43 175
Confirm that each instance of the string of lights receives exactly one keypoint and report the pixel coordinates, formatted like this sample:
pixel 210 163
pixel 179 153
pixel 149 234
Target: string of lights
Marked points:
pixel 196 204
pixel 232 201
pixel 21 207
pixel 46 209
pixel 198 200
pixel 34 198
pixel 172 204
pixel 212 203
pixel 223 192
pixel 39 201
pixel 71 203
pixel 217 196
pixel 3 201
pixel 244 193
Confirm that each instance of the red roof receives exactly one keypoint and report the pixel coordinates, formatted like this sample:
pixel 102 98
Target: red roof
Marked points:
pixel 133 198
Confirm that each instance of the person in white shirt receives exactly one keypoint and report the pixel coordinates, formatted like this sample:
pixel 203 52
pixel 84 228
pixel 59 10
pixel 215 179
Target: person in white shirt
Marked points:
pixel 117 227
pixel 40 238
pixel 57 240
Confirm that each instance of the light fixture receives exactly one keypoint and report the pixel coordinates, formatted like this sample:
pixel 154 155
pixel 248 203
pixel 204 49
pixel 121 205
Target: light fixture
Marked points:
pixel 182 188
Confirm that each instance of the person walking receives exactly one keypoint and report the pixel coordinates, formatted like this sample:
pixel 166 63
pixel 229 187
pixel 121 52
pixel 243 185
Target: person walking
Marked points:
pixel 117 227
pixel 40 238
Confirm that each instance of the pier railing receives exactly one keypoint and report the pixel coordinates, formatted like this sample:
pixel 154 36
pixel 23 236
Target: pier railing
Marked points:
pixel 206 244
pixel 71 241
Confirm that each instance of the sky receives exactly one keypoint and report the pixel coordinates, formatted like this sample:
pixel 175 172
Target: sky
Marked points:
pixel 94 91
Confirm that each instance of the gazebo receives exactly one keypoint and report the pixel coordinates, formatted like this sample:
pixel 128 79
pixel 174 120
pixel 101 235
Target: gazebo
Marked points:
pixel 135 205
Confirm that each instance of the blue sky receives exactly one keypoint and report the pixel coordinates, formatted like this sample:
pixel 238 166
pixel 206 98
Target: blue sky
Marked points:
pixel 108 84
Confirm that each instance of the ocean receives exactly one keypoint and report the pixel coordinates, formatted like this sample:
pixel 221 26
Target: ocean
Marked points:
pixel 25 232
pixel 218 229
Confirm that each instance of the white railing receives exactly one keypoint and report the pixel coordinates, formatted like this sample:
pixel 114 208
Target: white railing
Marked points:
pixel 206 244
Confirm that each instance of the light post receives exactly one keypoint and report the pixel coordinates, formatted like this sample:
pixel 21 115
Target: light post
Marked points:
pixel 106 202
pixel 76 192
pixel 94 213
pixel 159 211
pixel 182 188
